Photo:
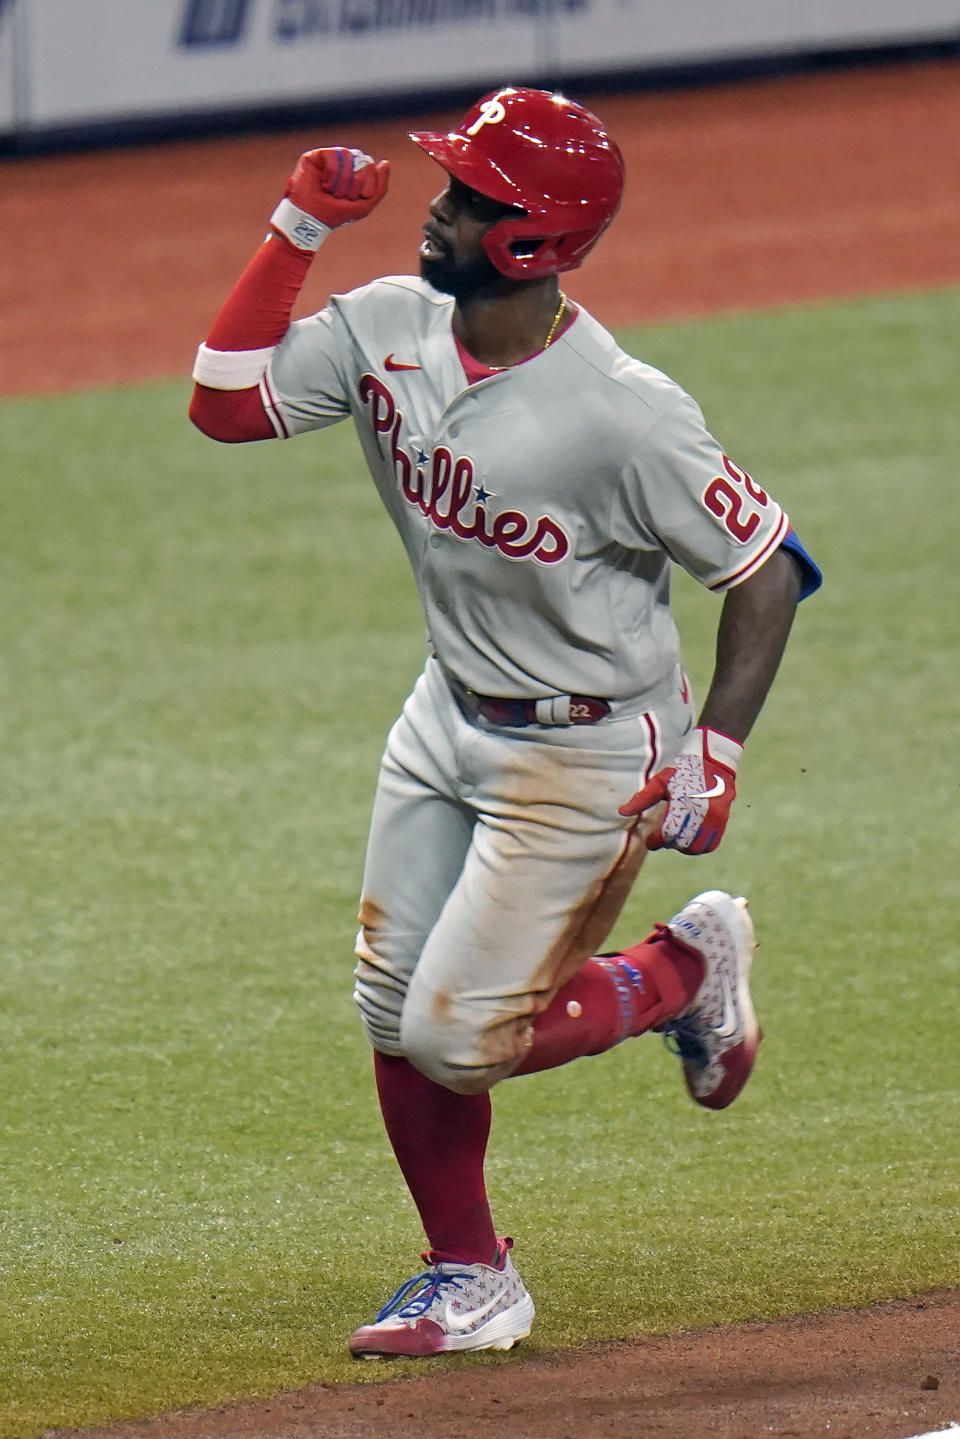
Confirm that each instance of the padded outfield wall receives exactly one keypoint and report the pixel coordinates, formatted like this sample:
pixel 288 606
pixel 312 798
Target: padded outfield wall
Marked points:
pixel 69 65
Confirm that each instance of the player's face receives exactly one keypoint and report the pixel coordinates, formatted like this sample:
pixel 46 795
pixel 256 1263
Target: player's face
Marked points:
pixel 452 257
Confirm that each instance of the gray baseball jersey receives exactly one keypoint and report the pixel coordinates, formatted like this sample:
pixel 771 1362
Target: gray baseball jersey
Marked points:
pixel 540 507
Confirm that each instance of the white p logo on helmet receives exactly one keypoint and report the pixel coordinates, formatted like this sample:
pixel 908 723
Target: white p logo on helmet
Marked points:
pixel 491 113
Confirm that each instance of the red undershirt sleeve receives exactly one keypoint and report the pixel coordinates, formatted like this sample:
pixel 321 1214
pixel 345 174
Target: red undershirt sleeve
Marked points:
pixel 226 402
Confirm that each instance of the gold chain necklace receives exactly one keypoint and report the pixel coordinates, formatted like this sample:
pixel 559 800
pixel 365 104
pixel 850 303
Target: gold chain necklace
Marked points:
pixel 551 333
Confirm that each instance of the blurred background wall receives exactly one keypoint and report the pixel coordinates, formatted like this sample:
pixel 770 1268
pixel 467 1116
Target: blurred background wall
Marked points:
pixel 111 67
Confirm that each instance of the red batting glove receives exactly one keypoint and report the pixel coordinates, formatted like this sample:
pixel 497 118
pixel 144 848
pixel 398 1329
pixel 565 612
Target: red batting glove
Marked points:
pixel 699 787
pixel 328 188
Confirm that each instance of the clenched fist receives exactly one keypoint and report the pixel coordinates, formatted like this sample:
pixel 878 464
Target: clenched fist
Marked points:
pixel 699 788
pixel 328 188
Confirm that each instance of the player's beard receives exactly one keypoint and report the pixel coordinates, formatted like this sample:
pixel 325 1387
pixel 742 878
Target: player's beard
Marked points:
pixel 469 280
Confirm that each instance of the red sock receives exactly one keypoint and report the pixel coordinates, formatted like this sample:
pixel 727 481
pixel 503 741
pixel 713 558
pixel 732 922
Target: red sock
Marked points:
pixel 614 997
pixel 440 1141
pixel 440 1138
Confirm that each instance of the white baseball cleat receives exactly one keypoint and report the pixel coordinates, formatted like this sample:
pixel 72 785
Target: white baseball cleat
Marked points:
pixel 717 1036
pixel 451 1307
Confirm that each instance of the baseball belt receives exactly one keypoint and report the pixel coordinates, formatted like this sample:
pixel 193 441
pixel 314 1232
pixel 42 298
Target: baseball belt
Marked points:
pixel 556 710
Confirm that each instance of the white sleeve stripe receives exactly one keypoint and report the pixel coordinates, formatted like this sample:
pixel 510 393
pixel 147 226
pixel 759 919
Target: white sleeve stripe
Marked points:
pixel 271 405
pixel 753 564
pixel 230 369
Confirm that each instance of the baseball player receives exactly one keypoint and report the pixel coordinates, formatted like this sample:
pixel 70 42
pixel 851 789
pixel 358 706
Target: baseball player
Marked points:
pixel 542 482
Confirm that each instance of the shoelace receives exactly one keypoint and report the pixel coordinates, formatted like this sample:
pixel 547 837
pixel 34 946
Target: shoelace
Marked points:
pixel 415 1296
pixel 684 1038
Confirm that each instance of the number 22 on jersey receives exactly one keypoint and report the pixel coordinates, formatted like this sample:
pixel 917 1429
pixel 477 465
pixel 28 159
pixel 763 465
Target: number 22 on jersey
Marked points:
pixel 737 500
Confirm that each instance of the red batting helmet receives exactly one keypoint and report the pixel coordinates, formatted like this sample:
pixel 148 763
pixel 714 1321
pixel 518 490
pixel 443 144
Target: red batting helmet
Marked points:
pixel 545 154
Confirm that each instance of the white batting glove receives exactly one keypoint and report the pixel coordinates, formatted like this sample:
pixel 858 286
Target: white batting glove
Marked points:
pixel 699 788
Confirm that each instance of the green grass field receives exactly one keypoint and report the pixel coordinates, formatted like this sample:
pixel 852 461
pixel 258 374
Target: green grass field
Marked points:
pixel 203 649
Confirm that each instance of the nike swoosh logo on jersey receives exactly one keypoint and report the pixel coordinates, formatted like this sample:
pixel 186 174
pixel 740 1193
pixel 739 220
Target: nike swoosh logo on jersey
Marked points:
pixel 718 789
pixel 456 1321
pixel 393 365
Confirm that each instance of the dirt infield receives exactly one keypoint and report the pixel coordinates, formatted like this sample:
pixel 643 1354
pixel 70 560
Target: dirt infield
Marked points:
pixel 888 1372
pixel 759 194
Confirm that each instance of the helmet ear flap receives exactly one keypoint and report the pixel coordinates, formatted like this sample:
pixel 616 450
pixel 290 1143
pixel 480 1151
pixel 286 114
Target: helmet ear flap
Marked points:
pixel 518 252
pixel 526 249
